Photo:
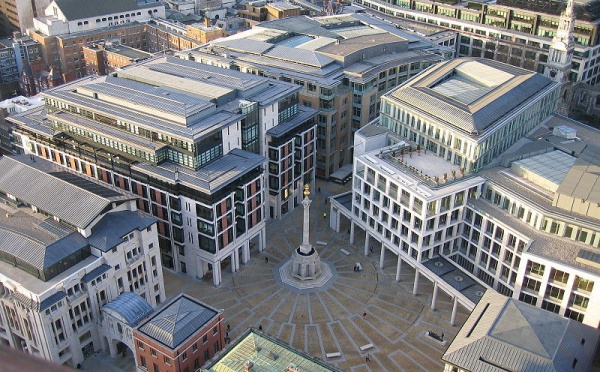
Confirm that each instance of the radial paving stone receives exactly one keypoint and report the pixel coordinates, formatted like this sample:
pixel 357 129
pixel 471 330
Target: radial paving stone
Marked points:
pixel 396 320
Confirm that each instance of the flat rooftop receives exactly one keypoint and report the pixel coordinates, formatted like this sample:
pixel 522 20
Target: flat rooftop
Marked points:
pixel 469 94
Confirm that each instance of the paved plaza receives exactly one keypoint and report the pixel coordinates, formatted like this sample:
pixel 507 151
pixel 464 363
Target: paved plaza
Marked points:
pixel 327 319
pixel 330 319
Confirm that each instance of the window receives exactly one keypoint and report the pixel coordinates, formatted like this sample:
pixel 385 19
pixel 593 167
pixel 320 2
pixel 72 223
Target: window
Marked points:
pixel 140 345
pixel 195 347
pixel 167 361
pixel 204 339
pixel 214 331
pixel 184 356
pixel 154 354
pixel 143 361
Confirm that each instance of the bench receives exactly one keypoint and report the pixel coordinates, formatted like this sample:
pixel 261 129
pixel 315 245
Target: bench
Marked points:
pixel 333 355
pixel 366 347
pixel 319 242
pixel 345 252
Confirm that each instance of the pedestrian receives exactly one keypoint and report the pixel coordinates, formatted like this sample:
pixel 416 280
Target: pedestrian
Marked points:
pixel 442 335
pixel 260 327
pixel 319 189
pixel 364 315
pixel 267 259
pixel 324 215
pixel 228 327
pixel 368 358
pixel 371 249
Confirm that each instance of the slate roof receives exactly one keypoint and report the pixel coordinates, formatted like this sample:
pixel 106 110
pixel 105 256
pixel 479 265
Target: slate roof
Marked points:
pixel 78 9
pixel 177 321
pixel 36 253
pixel 505 334
pixel 130 306
pixel 111 229
pixel 488 101
pixel 30 182
pixel 94 273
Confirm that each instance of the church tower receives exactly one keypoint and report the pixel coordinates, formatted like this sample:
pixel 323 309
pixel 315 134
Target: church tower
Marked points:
pixel 558 67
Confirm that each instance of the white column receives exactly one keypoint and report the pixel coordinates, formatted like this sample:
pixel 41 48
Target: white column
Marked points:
pixel 454 310
pixel 246 252
pixel 366 243
pixel 351 232
pixel 398 268
pixel 263 240
pixel 416 285
pixel 382 255
pixel 338 216
pixel 217 273
pixel 434 297
pixel 233 259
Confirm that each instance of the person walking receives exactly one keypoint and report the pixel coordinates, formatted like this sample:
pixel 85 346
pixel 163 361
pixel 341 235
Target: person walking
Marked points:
pixel 324 215
pixel 266 259
pixel 368 358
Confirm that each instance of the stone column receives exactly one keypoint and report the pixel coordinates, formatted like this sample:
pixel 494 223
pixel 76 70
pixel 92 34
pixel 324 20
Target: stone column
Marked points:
pixel 217 273
pixel 366 243
pixel 434 297
pixel 398 268
pixel 262 244
pixel 382 255
pixel 416 285
pixel 234 260
pixel 454 310
pixel 351 232
pixel 246 252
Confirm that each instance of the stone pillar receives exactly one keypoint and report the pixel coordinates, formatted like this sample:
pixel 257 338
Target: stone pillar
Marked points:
pixel 351 232
pixel 306 224
pixel 434 297
pixel 366 243
pixel 338 216
pixel 454 310
pixel 416 285
pixel 382 255
pixel 246 252
pixel 263 240
pixel 398 268
pixel 112 348
pixel 217 273
pixel 234 260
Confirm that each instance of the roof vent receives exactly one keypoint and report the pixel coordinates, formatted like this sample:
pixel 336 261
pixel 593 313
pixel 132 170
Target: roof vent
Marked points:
pixel 564 132
pixel 248 365
pixel 272 355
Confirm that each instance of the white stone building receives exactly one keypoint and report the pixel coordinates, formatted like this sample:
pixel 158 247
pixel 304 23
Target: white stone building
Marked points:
pixel 468 178
pixel 68 246
pixel 68 16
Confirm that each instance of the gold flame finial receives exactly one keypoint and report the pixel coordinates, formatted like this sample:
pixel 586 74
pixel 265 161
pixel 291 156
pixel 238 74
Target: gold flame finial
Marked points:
pixel 306 190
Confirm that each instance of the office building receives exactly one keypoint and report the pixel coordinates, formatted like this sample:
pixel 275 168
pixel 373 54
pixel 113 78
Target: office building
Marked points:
pixel 512 31
pixel 504 334
pixel 182 335
pixel 70 245
pixel 343 64
pixel 469 178
pixel 13 106
pixel 105 58
pixel 209 151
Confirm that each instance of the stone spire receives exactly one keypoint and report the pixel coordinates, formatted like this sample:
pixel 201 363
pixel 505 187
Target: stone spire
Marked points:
pixel 558 67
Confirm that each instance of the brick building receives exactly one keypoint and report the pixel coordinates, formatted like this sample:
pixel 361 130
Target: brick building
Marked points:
pixel 181 336
pixel 105 57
